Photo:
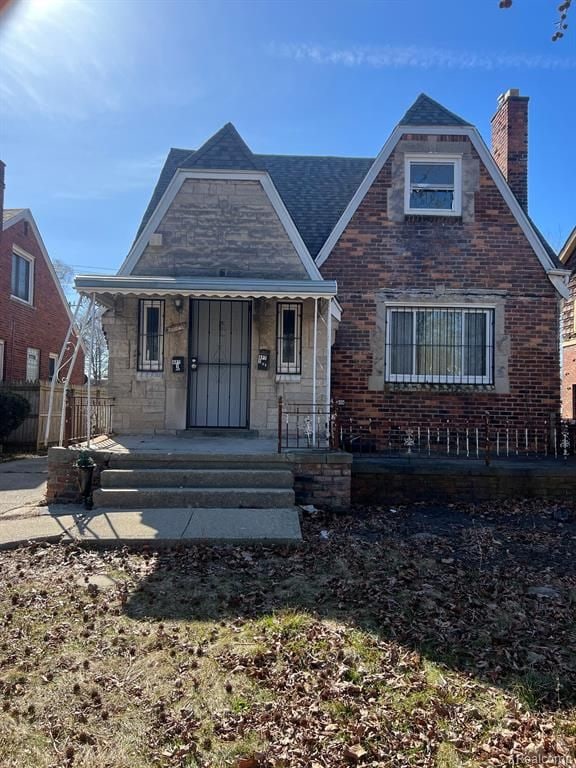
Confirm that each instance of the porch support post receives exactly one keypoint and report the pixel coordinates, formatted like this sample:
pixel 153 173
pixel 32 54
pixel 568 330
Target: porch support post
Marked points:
pixel 79 333
pixel 89 382
pixel 314 364
pixel 56 371
pixel 328 355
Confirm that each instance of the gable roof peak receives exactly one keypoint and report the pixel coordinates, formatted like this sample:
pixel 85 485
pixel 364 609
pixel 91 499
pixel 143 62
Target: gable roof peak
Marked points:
pixel 427 111
pixel 225 149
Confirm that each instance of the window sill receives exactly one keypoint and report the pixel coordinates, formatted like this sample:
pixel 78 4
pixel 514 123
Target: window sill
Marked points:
pixel 22 301
pixel 293 378
pixel 413 386
pixel 442 218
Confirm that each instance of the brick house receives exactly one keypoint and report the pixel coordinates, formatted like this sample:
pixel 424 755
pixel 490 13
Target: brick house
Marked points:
pixel 412 285
pixel 34 313
pixel 568 259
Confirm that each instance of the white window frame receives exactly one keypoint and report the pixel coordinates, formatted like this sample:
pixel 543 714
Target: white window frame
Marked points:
pixel 52 356
pixel 286 366
pixel 28 376
pixel 434 159
pixel 22 254
pixel 2 357
pixel 425 378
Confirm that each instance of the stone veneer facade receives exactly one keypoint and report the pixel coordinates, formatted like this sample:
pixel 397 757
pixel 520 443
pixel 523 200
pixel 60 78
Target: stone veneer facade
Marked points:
pixel 151 401
pixel 213 228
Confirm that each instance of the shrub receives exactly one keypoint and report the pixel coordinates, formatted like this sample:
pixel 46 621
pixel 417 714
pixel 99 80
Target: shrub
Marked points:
pixel 13 410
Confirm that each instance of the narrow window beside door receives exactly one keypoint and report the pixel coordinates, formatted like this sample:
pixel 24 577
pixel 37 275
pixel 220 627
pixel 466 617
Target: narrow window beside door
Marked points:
pixel 289 338
pixel 151 335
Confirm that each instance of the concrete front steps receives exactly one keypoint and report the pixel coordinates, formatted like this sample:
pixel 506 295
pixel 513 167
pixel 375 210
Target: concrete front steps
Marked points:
pixel 224 498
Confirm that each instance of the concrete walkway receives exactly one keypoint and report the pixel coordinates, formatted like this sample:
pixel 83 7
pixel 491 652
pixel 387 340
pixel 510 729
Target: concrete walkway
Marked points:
pixel 22 487
pixel 157 527
pixel 25 518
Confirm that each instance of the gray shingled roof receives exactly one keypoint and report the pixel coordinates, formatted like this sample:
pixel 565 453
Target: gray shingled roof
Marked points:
pixel 426 111
pixel 315 190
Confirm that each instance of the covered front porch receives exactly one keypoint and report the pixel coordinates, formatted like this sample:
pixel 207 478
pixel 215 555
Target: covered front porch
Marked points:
pixel 214 353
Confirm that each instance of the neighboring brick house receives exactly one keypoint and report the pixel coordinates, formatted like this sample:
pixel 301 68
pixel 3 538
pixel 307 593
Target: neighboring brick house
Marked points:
pixel 410 286
pixel 34 313
pixel 568 259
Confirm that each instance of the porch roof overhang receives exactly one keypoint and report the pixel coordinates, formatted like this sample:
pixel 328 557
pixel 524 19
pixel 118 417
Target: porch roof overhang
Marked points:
pixel 103 286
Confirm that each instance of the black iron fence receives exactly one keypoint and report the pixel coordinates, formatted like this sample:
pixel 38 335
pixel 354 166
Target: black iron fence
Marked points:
pixel 301 426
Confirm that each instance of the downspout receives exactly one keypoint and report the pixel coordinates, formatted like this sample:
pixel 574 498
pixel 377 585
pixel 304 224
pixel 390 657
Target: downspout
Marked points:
pixel 314 370
pixel 89 383
pixel 328 355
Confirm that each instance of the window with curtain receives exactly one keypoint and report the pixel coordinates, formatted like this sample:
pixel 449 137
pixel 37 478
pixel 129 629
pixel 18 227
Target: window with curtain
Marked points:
pixel 433 185
pixel 440 345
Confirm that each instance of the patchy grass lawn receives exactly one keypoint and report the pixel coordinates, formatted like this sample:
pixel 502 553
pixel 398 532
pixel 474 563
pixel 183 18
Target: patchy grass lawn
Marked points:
pixel 407 637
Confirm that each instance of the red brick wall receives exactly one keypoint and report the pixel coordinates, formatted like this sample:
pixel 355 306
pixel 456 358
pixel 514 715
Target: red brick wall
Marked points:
pixel 489 253
pixel 569 351
pixel 42 326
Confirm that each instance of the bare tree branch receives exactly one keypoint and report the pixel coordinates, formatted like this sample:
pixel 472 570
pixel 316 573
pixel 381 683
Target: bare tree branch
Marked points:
pixel 560 24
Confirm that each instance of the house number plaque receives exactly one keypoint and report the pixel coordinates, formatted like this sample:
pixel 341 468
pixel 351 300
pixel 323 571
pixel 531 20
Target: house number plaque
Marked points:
pixel 177 365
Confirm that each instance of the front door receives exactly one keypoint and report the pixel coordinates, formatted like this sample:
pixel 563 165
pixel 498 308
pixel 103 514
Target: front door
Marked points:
pixel 219 363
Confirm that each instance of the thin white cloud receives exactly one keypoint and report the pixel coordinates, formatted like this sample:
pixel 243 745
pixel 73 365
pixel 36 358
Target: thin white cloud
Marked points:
pixel 109 180
pixel 411 57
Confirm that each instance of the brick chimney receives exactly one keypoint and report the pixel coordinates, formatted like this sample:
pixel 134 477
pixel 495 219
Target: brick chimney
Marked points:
pixel 510 142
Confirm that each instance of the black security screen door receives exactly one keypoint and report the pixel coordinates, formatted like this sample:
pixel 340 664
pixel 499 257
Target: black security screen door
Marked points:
pixel 219 364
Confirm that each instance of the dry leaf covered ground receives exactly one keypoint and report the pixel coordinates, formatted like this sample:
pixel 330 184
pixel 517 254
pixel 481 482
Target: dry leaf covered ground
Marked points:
pixel 421 636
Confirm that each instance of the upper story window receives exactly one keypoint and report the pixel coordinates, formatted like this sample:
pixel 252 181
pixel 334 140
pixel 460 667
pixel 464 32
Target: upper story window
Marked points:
pixel 440 345
pixel 22 281
pixel 433 185
pixel 151 335
pixel 289 338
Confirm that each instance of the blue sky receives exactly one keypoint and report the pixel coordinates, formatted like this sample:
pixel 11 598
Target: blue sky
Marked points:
pixel 93 93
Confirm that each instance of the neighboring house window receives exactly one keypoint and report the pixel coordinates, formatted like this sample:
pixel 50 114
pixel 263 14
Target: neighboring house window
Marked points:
pixel 151 335
pixel 433 185
pixel 2 347
pixel 289 338
pixel 22 276
pixel 440 345
pixel 52 360
pixel 32 364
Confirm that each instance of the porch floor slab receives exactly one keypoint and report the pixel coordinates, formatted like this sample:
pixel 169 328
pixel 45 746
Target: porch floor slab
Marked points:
pixel 166 444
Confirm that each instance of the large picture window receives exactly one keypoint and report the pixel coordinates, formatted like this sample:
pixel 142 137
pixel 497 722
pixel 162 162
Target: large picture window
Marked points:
pixel 22 277
pixel 433 185
pixel 151 335
pixel 289 338
pixel 440 345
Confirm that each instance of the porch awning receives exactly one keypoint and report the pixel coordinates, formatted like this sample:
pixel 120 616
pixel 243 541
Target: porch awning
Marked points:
pixel 217 287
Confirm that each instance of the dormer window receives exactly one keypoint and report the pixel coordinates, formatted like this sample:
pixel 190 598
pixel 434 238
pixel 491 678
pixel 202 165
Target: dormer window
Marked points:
pixel 433 185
